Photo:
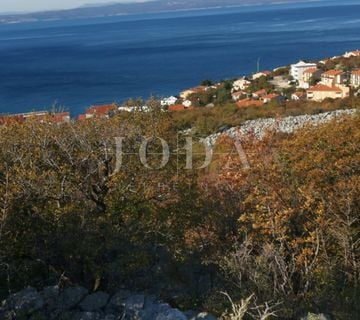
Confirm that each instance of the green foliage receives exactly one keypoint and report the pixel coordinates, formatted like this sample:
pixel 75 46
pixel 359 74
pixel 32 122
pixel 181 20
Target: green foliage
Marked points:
pixel 261 83
pixel 284 71
pixel 342 63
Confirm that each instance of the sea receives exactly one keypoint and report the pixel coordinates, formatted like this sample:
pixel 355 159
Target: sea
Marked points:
pixel 74 64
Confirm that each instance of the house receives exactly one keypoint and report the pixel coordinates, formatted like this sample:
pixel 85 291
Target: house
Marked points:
pixel 168 101
pixel 260 93
pixel 241 84
pixel 309 75
pixel 179 107
pixel 244 103
pixel 60 117
pixel 355 78
pixel 272 97
pixel 38 116
pixel 187 103
pixel 103 111
pixel 128 109
pixel 333 78
pixel 261 74
pixel 199 89
pixel 297 69
pixel 9 119
pixel 186 93
pixel 321 92
pixel 215 86
pixel 350 54
pixel 237 95
pixel 299 95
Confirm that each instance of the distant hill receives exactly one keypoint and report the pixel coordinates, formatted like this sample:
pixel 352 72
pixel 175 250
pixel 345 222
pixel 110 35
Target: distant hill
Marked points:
pixel 113 9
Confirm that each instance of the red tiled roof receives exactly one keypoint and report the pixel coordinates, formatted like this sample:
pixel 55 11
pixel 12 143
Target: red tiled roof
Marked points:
pixel 37 116
pixel 321 87
pixel 179 107
pixel 61 116
pixel 248 103
pixel 356 72
pixel 271 96
pixel 333 73
pixel 7 119
pixel 260 92
pixel 101 110
pixel 238 93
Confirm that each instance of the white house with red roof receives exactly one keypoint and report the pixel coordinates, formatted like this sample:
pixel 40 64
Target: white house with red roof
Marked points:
pixel 272 97
pixel 236 96
pixel 309 75
pixel 320 92
pixel 103 111
pixel 260 93
pixel 297 69
pixel 199 89
pixel 168 101
pixel 241 84
pixel 261 74
pixel 333 78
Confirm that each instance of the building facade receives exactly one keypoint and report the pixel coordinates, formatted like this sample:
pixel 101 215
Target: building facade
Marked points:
pixel 355 79
pixel 320 92
pixel 297 70
pixel 333 78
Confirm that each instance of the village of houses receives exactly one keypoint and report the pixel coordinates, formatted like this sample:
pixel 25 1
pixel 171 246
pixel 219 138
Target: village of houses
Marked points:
pixel 310 81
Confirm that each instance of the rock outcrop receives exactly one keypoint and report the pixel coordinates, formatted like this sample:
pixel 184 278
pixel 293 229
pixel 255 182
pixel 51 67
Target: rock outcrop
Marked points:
pixel 259 127
pixel 76 303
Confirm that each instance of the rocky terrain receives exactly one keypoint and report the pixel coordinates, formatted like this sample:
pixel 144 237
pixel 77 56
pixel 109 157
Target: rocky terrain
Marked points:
pixel 76 303
pixel 259 127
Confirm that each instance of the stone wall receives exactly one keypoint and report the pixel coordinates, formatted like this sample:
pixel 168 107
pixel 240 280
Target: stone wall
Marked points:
pixel 259 127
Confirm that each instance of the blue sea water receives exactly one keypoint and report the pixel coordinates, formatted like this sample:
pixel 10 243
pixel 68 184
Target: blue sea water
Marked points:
pixel 83 62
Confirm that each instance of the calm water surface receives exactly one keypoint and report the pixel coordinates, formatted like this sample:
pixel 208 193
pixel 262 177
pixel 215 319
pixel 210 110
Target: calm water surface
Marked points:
pixel 84 62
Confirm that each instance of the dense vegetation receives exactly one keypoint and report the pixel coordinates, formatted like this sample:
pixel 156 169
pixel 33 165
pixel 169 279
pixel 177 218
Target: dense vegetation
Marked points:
pixel 285 230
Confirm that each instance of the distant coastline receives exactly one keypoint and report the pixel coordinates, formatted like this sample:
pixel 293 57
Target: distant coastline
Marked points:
pixel 68 64
pixel 152 7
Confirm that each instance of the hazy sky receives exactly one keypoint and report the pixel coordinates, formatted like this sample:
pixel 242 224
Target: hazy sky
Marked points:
pixel 36 5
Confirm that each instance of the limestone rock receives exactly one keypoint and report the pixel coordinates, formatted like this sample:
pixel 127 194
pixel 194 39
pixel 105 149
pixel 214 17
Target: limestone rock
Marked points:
pixel 24 302
pixel 50 296
pixel 71 297
pixel 118 301
pixel 167 313
pixel 95 301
